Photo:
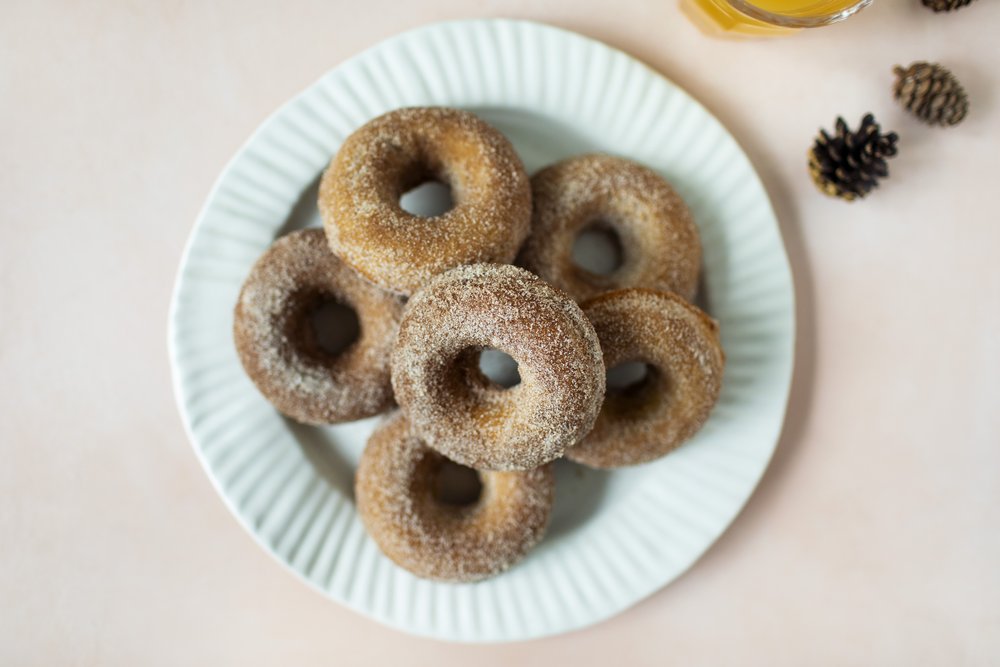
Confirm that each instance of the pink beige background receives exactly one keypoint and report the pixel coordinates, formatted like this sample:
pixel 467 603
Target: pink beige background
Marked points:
pixel 873 538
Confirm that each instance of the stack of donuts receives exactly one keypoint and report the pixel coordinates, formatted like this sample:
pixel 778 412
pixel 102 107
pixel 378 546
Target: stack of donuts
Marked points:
pixel 494 272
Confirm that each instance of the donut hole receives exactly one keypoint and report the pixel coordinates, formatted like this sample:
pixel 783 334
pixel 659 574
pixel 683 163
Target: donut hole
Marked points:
pixel 330 327
pixel 499 367
pixel 634 387
pixel 455 485
pixel 598 250
pixel 628 377
pixel 428 199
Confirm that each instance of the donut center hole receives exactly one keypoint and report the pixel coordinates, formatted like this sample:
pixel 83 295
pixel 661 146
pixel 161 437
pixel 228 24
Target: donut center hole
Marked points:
pixel 629 378
pixel 499 367
pixel 334 326
pixel 598 249
pixel 456 485
pixel 428 199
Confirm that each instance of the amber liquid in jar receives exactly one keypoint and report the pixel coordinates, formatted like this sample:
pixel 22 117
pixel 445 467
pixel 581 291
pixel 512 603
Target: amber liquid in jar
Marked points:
pixel 767 17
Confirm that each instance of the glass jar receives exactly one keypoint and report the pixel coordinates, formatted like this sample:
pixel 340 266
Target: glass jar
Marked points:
pixel 768 17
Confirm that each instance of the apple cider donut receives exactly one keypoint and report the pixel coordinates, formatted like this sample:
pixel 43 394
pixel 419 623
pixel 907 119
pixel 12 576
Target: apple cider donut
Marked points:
pixel 659 241
pixel 462 414
pixel 388 156
pixel 401 506
pixel 684 361
pixel 278 345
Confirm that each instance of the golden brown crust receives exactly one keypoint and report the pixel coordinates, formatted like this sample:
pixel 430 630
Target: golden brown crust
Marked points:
pixel 359 196
pixel 278 350
pixel 456 409
pixel 660 245
pixel 680 344
pixel 438 541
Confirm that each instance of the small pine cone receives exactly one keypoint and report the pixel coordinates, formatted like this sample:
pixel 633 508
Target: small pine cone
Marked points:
pixel 849 164
pixel 945 5
pixel 931 93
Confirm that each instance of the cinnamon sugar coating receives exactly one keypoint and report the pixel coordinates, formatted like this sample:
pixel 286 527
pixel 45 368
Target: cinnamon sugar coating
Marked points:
pixel 659 241
pixel 461 413
pixel 395 499
pixel 278 347
pixel 360 191
pixel 680 344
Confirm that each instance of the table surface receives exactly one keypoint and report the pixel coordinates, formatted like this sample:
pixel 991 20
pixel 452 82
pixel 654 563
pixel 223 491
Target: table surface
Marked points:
pixel 872 538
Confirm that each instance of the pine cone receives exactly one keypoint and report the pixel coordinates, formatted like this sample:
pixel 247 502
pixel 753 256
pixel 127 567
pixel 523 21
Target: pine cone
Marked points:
pixel 849 164
pixel 945 5
pixel 931 92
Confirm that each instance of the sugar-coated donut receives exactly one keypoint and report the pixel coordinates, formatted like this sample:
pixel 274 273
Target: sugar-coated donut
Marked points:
pixel 277 344
pixel 659 241
pixel 360 191
pixel 394 489
pixel 464 415
pixel 680 346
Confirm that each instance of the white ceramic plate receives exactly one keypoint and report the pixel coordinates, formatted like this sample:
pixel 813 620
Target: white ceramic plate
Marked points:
pixel 615 537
